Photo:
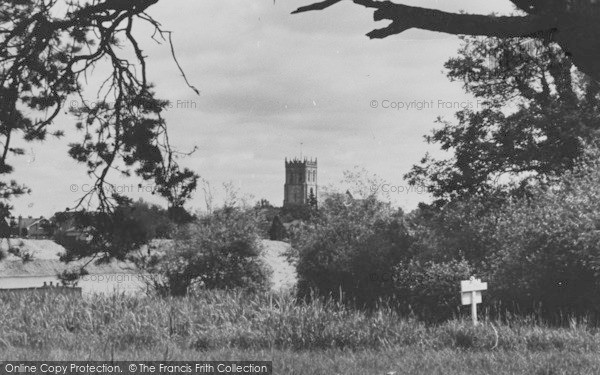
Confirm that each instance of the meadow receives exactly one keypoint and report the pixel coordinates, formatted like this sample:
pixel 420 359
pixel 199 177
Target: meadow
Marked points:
pixel 320 337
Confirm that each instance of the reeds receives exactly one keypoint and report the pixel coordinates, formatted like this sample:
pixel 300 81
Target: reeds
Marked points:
pixel 211 320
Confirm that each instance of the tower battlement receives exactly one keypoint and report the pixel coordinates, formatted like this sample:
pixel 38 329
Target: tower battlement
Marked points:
pixel 299 163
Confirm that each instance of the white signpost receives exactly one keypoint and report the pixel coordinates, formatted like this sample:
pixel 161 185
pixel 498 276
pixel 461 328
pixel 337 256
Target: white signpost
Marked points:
pixel 470 292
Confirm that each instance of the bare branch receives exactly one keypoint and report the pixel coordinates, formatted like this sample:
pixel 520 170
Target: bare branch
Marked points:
pixel 317 6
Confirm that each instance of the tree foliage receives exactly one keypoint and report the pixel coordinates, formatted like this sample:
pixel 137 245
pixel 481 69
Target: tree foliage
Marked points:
pixel 427 290
pixel 536 116
pixel 545 254
pixel 47 47
pixel 351 248
pixel 277 231
pixel 312 200
pixel 539 251
pixel 100 236
pixel 218 251
pixel 293 212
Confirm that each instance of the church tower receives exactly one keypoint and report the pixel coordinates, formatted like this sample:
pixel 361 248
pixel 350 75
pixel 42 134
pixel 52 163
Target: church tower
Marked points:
pixel 300 181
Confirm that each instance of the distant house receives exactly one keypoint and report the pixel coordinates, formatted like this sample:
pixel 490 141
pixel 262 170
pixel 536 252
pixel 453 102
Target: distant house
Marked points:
pixel 31 227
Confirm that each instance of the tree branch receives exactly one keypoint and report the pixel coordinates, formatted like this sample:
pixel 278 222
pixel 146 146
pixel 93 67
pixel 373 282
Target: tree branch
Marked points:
pixel 406 17
pixel 317 6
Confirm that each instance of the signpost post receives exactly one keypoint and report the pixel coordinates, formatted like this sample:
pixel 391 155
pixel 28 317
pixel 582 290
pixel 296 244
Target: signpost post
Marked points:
pixel 471 294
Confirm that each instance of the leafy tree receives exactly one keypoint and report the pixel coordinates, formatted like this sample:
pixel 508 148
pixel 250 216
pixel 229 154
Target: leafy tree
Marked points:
pixel 536 116
pixel 539 251
pixel 263 203
pixel 265 215
pixel 5 230
pixel 218 251
pixel 47 47
pixel 293 212
pixel 543 257
pixel 277 231
pixel 154 218
pixel 179 215
pixel 312 200
pixel 571 24
pixel 458 230
pixel 352 248
pixel 106 235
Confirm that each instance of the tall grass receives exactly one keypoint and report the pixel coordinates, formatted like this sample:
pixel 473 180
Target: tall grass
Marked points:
pixel 215 320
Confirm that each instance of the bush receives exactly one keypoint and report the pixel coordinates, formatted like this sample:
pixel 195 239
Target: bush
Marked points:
pixel 219 251
pixel 547 248
pixel 351 248
pixel 266 214
pixel 458 230
pixel 430 290
pixel 302 212
pixel 539 252
pixel 277 231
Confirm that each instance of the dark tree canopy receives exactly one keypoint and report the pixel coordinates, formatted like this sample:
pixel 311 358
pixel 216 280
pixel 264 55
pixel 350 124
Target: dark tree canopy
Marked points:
pixel 573 24
pixel 47 47
pixel 536 117
pixel 277 232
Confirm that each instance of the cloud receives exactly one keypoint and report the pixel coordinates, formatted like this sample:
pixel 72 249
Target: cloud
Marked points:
pixel 270 81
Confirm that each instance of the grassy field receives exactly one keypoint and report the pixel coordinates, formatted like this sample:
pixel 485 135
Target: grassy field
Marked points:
pixel 316 338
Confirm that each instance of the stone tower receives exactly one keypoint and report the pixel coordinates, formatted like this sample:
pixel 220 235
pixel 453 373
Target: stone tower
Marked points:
pixel 300 181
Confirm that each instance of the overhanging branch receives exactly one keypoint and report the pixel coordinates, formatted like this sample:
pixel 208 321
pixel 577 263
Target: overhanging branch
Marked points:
pixel 573 25
pixel 406 17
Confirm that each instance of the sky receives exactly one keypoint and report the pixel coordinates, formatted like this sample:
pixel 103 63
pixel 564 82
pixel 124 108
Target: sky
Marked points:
pixel 275 85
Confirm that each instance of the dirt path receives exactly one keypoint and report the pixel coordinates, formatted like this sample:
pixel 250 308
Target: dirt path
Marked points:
pixel 284 274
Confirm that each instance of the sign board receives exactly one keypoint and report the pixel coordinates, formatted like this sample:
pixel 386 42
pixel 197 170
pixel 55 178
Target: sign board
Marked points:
pixel 467 298
pixel 472 285
pixel 470 294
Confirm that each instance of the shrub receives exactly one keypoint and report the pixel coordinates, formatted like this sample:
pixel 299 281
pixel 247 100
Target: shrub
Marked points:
pixel 218 251
pixel 277 231
pixel 430 290
pixel 547 251
pixel 351 248
pixel 71 277
pixel 293 212
pixel 539 252
pixel 460 229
